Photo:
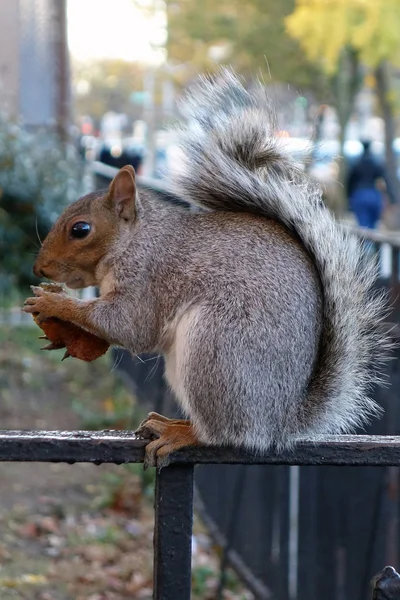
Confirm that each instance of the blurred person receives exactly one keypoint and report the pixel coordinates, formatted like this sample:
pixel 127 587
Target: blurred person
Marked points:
pixel 364 188
pixel 126 156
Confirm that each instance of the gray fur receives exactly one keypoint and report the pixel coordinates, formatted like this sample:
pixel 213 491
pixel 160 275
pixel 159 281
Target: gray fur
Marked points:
pixel 236 164
pixel 261 303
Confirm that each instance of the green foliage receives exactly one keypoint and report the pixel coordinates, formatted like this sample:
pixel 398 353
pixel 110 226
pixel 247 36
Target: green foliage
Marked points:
pixel 201 576
pixel 249 35
pixel 111 406
pixel 341 35
pixel 325 27
pixel 38 177
pixel 107 85
pixel 147 478
pixel 117 411
pixel 346 38
pixel 127 488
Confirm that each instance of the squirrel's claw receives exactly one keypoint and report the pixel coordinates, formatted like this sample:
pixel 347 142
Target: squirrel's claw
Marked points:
pixel 37 290
pixel 66 355
pixel 166 436
pixel 153 416
pixel 150 457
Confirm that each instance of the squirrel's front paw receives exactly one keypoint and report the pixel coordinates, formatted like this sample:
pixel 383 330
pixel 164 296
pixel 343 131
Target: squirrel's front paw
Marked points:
pixel 45 304
pixel 170 435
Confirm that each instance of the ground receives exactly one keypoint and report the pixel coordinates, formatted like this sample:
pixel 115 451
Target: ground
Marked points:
pixel 79 532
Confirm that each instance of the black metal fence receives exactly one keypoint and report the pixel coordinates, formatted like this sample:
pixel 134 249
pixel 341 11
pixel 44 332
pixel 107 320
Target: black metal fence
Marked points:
pixel 296 533
pixel 174 486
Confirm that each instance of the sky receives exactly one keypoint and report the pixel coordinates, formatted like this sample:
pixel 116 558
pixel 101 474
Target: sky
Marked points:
pixel 112 29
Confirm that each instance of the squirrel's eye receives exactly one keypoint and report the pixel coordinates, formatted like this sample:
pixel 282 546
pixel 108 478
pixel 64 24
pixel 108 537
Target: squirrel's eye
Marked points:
pixel 80 230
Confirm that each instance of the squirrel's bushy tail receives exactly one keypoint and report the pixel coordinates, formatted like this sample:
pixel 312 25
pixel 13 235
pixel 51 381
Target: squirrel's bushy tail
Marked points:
pixel 233 162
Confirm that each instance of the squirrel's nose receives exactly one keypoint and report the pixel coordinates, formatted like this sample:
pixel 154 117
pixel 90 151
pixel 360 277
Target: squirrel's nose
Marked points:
pixel 37 271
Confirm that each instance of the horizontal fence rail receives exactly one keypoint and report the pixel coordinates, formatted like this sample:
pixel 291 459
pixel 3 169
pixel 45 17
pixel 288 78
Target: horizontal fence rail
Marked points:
pixel 125 447
pixel 107 173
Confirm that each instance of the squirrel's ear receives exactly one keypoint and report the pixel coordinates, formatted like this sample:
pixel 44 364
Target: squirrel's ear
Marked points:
pixel 122 193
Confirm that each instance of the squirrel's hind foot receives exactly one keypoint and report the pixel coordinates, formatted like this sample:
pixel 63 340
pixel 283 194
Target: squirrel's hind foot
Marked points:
pixel 167 436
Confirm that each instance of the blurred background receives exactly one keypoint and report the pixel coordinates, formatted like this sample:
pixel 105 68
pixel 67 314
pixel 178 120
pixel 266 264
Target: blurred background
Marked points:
pixel 87 86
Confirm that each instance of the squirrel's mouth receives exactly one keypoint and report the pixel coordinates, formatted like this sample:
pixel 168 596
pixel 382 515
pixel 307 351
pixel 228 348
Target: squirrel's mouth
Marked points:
pixel 76 283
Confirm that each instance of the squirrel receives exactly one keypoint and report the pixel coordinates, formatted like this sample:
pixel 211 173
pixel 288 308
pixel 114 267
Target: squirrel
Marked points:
pixel 260 302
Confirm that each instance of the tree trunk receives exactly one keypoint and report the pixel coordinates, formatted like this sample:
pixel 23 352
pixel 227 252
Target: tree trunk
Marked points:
pixel 346 85
pixel 342 174
pixel 382 90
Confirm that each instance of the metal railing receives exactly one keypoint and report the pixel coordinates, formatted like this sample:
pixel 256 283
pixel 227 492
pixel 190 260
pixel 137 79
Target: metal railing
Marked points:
pixel 174 484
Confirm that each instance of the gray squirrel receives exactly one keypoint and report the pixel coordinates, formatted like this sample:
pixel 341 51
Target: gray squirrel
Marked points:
pixel 260 302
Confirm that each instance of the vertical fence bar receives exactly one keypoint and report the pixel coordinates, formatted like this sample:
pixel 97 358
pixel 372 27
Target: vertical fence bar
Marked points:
pixel 173 533
pixel 379 250
pixel 395 269
pixel 293 532
pixel 282 573
pixel 233 524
